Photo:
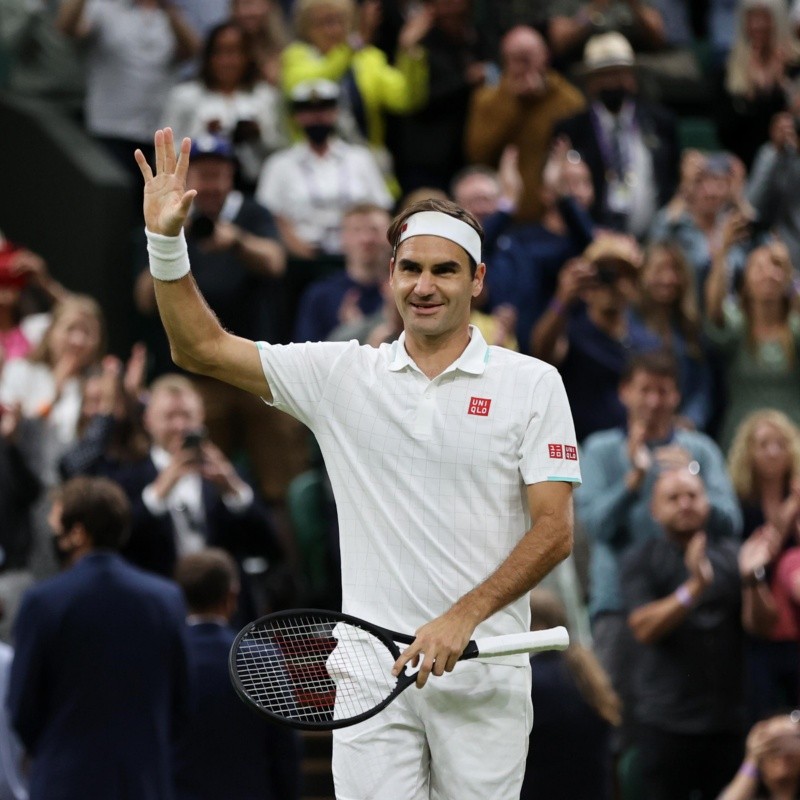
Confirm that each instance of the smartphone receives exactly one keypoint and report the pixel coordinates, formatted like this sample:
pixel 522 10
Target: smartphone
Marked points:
pixel 194 439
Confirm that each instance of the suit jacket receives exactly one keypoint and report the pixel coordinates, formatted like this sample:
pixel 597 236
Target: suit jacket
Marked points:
pixel 227 751
pixel 660 136
pixel 152 541
pixel 99 683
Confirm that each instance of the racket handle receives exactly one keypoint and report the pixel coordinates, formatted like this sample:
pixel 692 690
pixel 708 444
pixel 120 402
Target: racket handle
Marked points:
pixel 531 642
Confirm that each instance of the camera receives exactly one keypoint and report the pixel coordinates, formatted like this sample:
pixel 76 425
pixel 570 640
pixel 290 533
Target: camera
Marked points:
pixel 194 439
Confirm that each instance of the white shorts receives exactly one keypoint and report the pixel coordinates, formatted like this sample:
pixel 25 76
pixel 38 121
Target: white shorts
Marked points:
pixel 464 736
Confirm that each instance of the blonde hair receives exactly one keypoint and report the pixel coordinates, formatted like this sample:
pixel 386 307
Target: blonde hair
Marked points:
pixel 738 80
pixel 740 456
pixel 80 305
pixel 779 254
pixel 303 9
pixel 594 685
pixel 686 311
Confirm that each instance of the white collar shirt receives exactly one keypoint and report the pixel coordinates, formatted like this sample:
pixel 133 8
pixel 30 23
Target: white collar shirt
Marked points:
pixel 429 475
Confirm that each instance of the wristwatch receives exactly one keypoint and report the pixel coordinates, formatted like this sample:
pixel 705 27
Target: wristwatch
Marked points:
pixel 758 575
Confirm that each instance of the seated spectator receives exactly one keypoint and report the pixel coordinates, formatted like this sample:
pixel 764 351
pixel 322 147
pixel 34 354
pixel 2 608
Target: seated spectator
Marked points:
pixel 765 53
pixel 770 187
pixel 225 750
pixel 629 144
pixel 573 22
pixel 309 186
pixel 263 23
pixel 490 196
pixel 695 217
pixel 521 110
pixel 684 602
pixel 326 303
pixel 132 49
pixel 620 467
pixel 764 465
pixel 667 306
pixel 185 495
pixel 771 766
pixel 756 335
pixel 230 99
pixel 575 710
pixel 41 62
pixel 109 431
pixel 381 327
pixel 524 269
pixel 586 332
pixel 428 145
pixel 371 85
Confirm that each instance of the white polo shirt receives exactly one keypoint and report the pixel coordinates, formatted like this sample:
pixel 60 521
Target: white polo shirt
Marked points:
pixel 429 475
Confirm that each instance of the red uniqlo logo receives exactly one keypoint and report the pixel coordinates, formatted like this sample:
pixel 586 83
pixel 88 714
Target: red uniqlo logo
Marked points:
pixel 479 406
pixel 555 451
pixel 570 452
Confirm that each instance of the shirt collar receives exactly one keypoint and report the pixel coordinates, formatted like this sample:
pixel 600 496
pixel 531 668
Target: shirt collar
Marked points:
pixel 472 361
pixel 161 458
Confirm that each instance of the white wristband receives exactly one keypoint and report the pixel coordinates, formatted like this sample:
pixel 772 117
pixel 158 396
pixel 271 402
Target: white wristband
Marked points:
pixel 169 256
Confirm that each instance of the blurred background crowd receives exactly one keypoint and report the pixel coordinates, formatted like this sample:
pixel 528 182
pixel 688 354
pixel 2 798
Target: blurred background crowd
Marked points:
pixel 635 166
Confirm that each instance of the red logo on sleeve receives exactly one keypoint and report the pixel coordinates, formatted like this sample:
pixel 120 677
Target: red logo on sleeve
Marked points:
pixel 555 451
pixel 570 452
pixel 479 406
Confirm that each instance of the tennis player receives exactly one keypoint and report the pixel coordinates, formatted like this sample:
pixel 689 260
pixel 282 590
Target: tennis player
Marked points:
pixel 452 464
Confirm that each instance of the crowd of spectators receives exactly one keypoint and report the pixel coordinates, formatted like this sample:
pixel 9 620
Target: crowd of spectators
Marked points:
pixel 658 272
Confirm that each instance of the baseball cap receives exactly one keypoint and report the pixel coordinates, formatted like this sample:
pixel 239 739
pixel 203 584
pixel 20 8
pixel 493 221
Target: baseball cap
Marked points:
pixel 319 93
pixel 209 145
pixel 606 51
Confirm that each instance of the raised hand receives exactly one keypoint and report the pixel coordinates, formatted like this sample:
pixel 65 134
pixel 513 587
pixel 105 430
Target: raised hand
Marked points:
pixel 166 200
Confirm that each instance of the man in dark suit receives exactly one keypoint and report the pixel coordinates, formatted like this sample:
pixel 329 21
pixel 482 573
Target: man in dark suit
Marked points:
pixel 99 683
pixel 630 145
pixel 225 751
pixel 185 494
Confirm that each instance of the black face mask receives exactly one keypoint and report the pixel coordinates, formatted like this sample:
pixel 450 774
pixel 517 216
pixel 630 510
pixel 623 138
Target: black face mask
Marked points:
pixel 613 99
pixel 318 134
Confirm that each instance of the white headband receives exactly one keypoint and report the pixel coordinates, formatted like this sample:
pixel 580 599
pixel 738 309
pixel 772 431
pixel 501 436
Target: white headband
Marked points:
pixel 437 223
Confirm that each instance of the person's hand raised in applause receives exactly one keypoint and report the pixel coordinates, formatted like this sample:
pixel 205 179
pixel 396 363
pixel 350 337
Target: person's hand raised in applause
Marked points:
pixel 759 549
pixel 10 417
pixel 697 562
pixel 166 199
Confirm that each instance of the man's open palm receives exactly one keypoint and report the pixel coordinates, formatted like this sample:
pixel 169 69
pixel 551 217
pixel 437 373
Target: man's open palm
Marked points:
pixel 166 201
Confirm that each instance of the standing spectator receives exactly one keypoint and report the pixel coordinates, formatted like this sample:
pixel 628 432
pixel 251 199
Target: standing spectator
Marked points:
pixel 764 464
pixel 428 145
pixel 329 301
pixel 521 110
pixel 756 78
pixel 757 335
pixel 310 185
pixel 230 99
pixel 576 709
pixel 99 684
pixel 667 305
pixel 132 50
pixel 614 502
pixel 770 188
pixel 225 751
pixel 371 85
pixel 263 23
pixel 184 493
pixel 585 330
pixel 683 596
pixel 630 145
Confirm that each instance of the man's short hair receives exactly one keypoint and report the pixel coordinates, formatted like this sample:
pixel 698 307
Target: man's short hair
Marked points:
pixel 431 204
pixel 100 506
pixel 468 172
pixel 173 383
pixel 657 362
pixel 207 578
pixel 362 209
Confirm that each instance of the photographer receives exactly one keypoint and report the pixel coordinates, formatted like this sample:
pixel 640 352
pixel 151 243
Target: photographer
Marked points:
pixel 586 332
pixel 185 495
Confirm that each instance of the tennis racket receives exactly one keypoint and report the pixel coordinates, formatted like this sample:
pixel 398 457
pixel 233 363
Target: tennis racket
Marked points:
pixel 320 670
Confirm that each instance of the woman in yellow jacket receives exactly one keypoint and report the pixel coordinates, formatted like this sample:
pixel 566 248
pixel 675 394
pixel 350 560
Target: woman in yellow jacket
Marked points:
pixel 327 48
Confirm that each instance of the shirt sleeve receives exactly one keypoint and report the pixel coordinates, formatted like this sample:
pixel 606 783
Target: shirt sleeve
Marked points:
pixel 549 450
pixel 297 374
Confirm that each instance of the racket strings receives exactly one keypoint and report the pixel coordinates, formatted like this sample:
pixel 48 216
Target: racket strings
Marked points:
pixel 314 670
